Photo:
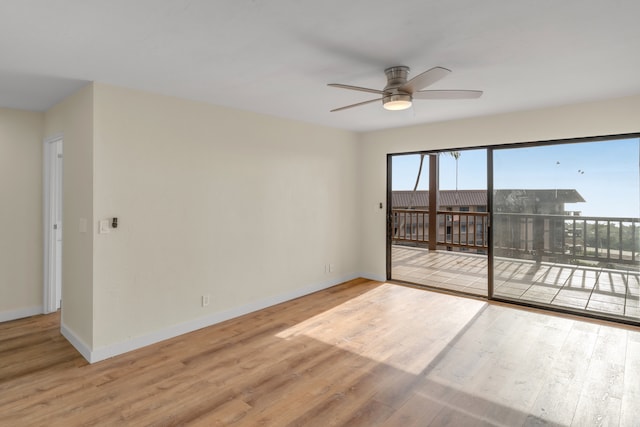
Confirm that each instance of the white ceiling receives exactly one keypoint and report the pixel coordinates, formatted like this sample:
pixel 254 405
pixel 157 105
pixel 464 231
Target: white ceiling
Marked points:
pixel 276 57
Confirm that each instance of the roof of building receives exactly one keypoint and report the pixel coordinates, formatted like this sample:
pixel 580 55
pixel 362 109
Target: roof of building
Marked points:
pixel 479 197
pixel 446 197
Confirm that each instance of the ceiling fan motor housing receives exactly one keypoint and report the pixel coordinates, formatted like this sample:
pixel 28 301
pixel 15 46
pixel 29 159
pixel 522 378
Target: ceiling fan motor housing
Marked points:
pixel 396 76
pixel 395 99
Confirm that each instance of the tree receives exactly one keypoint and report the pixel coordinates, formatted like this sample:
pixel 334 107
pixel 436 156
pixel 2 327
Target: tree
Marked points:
pixel 455 155
pixel 415 187
pixel 402 224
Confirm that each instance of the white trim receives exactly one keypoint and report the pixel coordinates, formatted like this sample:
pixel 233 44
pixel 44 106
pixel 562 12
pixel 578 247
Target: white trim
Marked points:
pixel 172 331
pixel 75 341
pixel 6 316
pixel 49 292
pixel 46 225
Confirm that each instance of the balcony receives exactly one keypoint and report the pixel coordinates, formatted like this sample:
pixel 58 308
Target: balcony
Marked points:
pixel 580 263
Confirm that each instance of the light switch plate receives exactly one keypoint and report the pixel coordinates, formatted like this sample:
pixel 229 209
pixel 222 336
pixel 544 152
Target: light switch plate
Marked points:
pixel 104 226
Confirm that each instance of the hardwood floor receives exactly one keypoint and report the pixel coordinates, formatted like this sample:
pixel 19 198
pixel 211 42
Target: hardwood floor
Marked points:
pixel 360 354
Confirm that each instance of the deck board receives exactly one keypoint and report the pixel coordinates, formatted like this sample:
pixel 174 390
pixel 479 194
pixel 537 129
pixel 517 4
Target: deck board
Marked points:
pixel 597 290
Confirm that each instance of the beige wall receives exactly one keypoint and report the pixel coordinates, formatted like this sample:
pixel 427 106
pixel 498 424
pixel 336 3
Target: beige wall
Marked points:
pixel 21 281
pixel 212 201
pixel 609 117
pixel 73 119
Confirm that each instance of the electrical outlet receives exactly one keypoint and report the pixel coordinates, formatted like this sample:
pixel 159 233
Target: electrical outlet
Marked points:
pixel 205 300
pixel 331 268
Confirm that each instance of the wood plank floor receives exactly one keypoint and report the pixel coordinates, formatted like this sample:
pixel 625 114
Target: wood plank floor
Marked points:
pixel 360 354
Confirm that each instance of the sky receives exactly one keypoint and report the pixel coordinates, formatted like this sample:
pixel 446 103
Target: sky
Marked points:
pixel 606 173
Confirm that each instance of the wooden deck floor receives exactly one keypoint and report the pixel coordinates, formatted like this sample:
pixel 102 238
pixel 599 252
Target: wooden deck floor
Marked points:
pixel 596 290
pixel 360 354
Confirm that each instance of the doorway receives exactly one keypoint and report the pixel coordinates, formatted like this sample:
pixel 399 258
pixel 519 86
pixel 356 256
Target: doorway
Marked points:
pixel 52 191
pixel 445 247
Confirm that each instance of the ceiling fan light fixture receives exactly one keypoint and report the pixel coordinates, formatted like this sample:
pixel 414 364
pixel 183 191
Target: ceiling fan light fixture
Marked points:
pixel 398 94
pixel 397 102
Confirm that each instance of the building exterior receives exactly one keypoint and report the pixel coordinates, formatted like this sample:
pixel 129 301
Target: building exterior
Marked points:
pixel 526 221
pixel 511 201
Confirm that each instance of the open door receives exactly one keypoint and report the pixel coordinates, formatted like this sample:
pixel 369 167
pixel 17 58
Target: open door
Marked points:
pixel 52 224
pixel 438 222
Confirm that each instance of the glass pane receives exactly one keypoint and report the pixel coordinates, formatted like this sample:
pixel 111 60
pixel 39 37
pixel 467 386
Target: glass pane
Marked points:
pixel 409 200
pixel 566 227
pixel 457 259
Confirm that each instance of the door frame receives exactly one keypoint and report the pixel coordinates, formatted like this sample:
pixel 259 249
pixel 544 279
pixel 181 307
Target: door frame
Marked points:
pixel 52 200
pixel 434 179
pixel 531 303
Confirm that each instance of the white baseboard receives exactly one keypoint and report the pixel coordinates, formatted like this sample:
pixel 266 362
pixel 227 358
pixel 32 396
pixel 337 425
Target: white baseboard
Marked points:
pixel 75 341
pixel 6 316
pixel 172 331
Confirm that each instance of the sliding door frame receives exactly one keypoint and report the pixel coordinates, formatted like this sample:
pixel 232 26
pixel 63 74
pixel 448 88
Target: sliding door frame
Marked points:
pixel 490 190
pixel 490 170
pixel 389 216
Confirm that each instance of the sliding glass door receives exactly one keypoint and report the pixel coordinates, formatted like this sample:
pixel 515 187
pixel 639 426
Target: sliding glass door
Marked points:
pixel 438 229
pixel 566 227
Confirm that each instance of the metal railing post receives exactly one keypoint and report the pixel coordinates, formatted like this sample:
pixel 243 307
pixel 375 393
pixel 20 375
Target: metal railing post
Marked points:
pixel 433 201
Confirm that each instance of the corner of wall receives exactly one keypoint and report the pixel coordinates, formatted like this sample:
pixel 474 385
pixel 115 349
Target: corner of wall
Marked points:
pixel 83 348
pixel 73 118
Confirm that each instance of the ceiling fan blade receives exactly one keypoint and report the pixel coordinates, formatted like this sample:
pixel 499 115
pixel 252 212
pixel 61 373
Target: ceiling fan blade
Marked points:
pixel 361 89
pixel 356 105
pixel 447 94
pixel 425 79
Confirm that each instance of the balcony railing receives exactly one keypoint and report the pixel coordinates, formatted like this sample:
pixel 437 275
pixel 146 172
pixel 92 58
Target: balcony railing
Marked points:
pixel 567 238
pixel 561 238
pixel 455 229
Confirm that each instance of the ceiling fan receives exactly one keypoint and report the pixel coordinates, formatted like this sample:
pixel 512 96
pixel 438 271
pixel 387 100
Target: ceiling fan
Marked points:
pixel 399 93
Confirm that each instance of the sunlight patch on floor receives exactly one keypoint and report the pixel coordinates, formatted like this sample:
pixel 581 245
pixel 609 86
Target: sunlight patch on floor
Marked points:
pixel 431 321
